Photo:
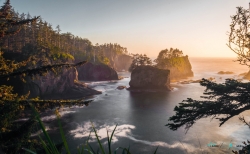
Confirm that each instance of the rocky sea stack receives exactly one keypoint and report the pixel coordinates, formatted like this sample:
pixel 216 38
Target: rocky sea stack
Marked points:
pixel 96 72
pixel 149 78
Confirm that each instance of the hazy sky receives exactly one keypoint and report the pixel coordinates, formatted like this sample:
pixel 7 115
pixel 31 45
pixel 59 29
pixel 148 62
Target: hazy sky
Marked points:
pixel 197 27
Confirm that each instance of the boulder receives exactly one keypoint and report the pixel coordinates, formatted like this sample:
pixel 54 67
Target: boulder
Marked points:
pixel 96 72
pixel 147 78
pixel 121 87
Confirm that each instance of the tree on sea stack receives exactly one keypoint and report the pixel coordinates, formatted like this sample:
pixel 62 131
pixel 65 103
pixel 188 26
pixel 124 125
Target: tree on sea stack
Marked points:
pixel 139 60
pixel 165 55
pixel 226 100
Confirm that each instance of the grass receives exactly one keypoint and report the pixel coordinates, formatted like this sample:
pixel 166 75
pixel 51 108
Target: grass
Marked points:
pixel 51 148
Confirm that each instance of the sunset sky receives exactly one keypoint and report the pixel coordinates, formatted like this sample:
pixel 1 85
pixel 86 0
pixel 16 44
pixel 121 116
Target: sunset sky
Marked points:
pixel 197 27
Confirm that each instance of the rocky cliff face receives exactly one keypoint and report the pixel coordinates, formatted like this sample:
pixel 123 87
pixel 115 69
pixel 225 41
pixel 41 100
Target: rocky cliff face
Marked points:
pixel 123 62
pixel 96 72
pixel 147 78
pixel 179 67
pixel 65 85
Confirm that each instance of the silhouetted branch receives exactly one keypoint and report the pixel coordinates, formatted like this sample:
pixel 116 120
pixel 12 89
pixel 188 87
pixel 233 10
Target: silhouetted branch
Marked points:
pixel 41 70
pixel 221 101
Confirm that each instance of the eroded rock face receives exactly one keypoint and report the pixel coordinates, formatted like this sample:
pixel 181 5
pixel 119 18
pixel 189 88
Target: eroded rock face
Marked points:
pixel 123 62
pixel 148 78
pixel 65 85
pixel 96 72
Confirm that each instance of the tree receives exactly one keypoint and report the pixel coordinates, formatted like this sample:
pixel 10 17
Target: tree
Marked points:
pixel 9 24
pixel 239 35
pixel 14 136
pixel 226 100
pixel 164 56
pixel 139 60
pixel 221 101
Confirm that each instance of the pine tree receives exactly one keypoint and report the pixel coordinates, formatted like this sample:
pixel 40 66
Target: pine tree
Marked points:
pixel 14 136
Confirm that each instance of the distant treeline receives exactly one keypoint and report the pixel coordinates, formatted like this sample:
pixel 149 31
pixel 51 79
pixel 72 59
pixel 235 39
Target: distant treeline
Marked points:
pixel 47 45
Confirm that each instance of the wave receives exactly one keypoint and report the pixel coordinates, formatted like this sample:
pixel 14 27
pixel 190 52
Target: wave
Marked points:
pixel 62 113
pixel 83 130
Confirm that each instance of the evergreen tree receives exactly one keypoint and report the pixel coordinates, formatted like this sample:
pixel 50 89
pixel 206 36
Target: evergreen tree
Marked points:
pixel 15 136
pixel 226 100
pixel 139 60
pixel 164 56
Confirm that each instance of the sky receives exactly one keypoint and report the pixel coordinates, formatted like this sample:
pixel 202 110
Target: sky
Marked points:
pixel 197 27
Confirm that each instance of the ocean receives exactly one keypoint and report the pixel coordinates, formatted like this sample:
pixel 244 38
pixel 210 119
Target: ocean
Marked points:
pixel 141 117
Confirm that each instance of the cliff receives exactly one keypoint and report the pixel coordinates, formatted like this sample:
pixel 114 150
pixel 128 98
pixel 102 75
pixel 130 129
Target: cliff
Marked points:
pixel 149 78
pixel 64 85
pixel 179 67
pixel 96 72
pixel 123 62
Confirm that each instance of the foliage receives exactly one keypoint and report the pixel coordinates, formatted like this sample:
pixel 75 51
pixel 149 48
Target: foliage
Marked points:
pixel 36 38
pixel 48 46
pixel 221 101
pixel 239 35
pixel 165 56
pixel 139 60
pixel 9 24
pixel 15 135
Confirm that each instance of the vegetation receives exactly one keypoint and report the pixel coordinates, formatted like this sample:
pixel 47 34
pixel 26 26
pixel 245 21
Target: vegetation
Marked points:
pixel 221 101
pixel 14 135
pixel 168 57
pixel 30 47
pixel 239 35
pixel 48 46
pixel 139 60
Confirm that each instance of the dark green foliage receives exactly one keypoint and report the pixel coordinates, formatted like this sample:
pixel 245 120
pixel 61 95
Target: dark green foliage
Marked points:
pixel 139 60
pixel 220 101
pixel 105 53
pixel 9 23
pixel 165 56
pixel 16 135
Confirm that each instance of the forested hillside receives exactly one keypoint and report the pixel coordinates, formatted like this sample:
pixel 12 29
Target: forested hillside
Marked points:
pixel 48 46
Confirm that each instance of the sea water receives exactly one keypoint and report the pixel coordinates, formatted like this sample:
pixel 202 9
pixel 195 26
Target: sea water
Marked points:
pixel 141 117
